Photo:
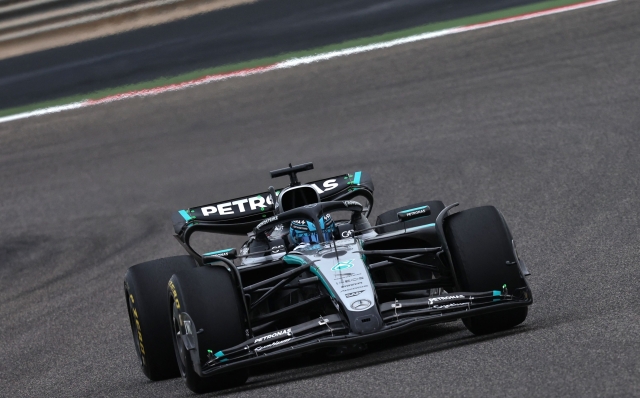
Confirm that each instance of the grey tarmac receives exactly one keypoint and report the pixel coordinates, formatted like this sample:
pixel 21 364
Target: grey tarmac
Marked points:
pixel 539 118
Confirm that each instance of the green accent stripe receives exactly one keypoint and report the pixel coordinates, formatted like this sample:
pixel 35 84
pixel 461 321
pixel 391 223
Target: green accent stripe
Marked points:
pixel 417 208
pixel 185 215
pixel 356 177
pixel 422 226
pixel 293 260
pixel 217 252
pixel 486 17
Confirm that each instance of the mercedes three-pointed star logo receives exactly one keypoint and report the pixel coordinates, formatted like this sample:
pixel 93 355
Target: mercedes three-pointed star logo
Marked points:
pixel 360 305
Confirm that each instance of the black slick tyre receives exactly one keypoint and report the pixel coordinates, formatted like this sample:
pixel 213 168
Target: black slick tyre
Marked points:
pixel 481 246
pixel 145 289
pixel 210 298
pixel 436 207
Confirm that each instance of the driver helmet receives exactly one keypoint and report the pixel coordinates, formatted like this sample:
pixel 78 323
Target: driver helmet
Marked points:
pixel 302 231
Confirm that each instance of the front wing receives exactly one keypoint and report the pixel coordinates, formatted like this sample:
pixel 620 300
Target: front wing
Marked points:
pixel 333 330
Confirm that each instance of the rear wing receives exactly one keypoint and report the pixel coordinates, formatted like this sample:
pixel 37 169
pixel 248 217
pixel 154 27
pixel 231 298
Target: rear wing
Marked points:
pixel 239 216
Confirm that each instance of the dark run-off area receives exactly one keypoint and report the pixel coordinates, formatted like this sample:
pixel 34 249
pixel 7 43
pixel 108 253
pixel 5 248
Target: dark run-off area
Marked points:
pixel 246 32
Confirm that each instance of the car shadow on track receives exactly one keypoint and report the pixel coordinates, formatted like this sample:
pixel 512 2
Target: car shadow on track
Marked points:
pixel 422 341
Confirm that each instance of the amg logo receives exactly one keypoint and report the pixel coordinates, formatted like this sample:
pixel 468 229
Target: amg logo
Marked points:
pixel 275 343
pixel 444 298
pixel 267 221
pixel 284 332
pixel 445 306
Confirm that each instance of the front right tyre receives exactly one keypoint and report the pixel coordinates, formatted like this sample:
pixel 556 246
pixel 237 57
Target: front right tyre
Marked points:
pixel 483 258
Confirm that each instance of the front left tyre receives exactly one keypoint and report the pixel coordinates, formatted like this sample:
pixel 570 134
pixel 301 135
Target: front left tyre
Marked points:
pixel 145 289
pixel 212 301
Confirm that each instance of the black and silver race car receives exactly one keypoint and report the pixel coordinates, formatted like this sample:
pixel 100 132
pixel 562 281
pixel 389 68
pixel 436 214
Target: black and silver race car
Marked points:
pixel 210 317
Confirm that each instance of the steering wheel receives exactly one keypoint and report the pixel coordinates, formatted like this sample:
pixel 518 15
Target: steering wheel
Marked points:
pixel 311 212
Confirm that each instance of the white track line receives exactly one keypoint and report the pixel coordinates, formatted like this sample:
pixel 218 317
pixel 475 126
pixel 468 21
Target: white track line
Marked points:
pixel 44 111
pixel 301 61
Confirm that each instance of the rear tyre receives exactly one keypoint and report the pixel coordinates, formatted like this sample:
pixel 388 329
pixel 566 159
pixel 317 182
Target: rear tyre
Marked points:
pixel 481 245
pixel 145 289
pixel 436 207
pixel 212 301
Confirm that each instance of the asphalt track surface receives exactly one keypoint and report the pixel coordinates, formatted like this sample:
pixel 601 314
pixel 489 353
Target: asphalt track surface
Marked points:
pixel 539 118
pixel 242 33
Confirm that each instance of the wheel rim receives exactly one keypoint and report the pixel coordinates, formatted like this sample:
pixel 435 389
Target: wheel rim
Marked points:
pixel 178 346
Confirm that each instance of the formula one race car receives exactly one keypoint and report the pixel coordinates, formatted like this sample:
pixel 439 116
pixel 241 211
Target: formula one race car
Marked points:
pixel 314 275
